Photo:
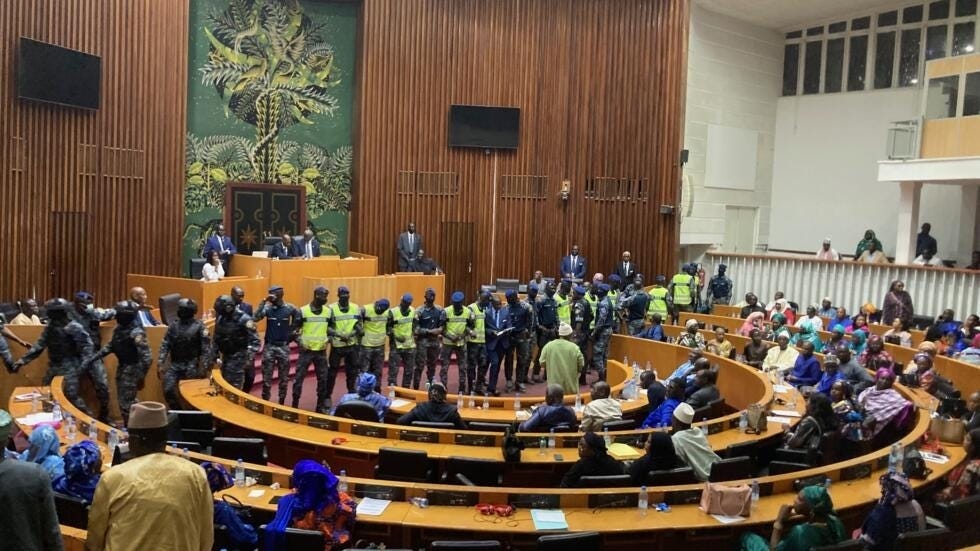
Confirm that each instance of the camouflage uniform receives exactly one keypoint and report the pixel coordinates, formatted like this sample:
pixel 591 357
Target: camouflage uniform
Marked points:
pixel 186 342
pixel 456 327
pixel 237 342
pixel 604 321
pixel 90 319
pixel 131 348
pixel 278 332
pixel 404 351
pixel 524 321
pixel 67 345
pixel 427 344
pixel 581 319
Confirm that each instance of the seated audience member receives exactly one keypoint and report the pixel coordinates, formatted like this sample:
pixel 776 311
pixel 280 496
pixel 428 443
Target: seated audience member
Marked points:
pixel 826 309
pixel 864 244
pixel 553 413
pixel 756 350
pixel 240 534
pixel 782 356
pixel 690 443
pixel 899 333
pixel 594 460
pixel 946 322
pixel 871 314
pixel 600 409
pixel 859 340
pixel 365 392
pixel 820 526
pixel 826 252
pixel 656 391
pixel 751 305
pixel 690 337
pixel 782 307
pixel 883 405
pixel 705 390
pixel 874 353
pixel 841 319
pixel 819 418
pixel 777 328
pixel 971 354
pixel 873 256
pixel 44 447
pixel 655 331
pixel 83 468
pixel 928 258
pixel 212 270
pixel 659 456
pixel 425 264
pixel 754 321
pixel 928 348
pixel 964 480
pixel 974 261
pixel 950 344
pixel 849 417
pixel 807 334
pixel 436 410
pixel 854 374
pixel 720 345
pixel 836 338
pixel 772 305
pixel 860 323
pixel 314 504
pixel 923 376
pixel 662 415
pixel 29 517
pixel 28 313
pixel 897 512
pixel 686 369
pixel 811 318
pixel 972 415
pixel 284 249
pixel 831 374
pixel 970 328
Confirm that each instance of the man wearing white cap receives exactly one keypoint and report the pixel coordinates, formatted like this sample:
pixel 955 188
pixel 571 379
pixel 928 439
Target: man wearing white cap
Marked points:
pixel 26 502
pixel 155 500
pixel 563 360
pixel 826 252
pixel 690 443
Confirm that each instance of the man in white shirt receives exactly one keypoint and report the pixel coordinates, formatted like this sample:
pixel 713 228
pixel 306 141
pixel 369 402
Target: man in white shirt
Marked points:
pixel 690 443
pixel 826 252
pixel 781 357
pixel 928 258
pixel 601 409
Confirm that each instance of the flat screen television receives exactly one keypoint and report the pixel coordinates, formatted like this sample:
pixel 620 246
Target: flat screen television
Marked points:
pixel 53 74
pixel 484 127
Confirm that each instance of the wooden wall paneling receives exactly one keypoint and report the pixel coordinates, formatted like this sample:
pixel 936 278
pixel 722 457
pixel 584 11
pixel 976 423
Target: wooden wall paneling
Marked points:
pixel 98 193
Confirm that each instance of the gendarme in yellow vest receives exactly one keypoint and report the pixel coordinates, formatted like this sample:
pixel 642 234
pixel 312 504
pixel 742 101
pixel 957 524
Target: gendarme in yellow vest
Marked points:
pixel 313 334
pixel 658 302
pixel 479 335
pixel 375 328
pixel 344 322
pixel 455 324
pixel 682 289
pixel 403 328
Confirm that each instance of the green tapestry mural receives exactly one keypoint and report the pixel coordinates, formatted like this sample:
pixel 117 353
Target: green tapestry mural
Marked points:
pixel 270 100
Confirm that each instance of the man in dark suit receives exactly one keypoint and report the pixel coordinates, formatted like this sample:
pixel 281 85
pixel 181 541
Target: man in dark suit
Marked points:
pixel 573 266
pixel 497 327
pixel 221 243
pixel 626 269
pixel 143 313
pixel 306 247
pixel 238 297
pixel 425 264
pixel 409 245
pixel 283 249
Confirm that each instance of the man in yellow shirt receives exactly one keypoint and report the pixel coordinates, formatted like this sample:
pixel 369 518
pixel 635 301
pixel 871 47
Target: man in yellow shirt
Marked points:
pixel 154 501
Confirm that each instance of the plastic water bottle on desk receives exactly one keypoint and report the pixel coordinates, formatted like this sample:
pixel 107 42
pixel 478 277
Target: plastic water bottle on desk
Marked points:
pixel 517 402
pixel 93 431
pixel 124 438
pixel 459 400
pixel 643 501
pixel 755 494
pixel 743 421
pixel 542 445
pixel 113 441
pixel 186 454
pixel 391 393
pixel 342 481
pixel 472 403
pixel 56 412
pixel 35 402
pixel 895 458
pixel 240 473
pixel 71 429
pixel 578 403
pixel 606 437
pixel 486 401
pixel 551 439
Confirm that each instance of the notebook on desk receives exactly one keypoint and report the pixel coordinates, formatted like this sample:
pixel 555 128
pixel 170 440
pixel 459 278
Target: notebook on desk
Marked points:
pixel 260 254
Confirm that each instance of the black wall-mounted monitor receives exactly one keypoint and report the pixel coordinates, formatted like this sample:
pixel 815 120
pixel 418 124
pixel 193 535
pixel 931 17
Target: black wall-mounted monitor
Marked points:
pixel 53 74
pixel 484 127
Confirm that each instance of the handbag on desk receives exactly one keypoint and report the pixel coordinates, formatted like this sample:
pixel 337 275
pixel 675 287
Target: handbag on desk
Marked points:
pixel 948 430
pixel 730 501
pixel 758 422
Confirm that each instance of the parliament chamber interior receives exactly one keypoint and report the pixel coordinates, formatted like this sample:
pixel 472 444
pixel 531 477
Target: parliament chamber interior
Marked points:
pixel 490 274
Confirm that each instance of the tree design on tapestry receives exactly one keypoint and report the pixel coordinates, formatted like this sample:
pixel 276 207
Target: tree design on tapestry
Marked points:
pixel 272 68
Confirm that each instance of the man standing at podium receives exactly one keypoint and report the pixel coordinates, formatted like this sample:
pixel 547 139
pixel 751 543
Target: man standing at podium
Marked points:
pixel 409 244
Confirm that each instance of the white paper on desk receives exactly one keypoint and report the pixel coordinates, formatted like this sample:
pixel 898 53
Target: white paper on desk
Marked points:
pixel 36 418
pixel 781 389
pixel 256 493
pixel 372 507
pixel 522 415
pixel 784 413
pixel 779 420
pixel 398 402
pixel 550 515
pixel 934 458
pixel 27 397
pixel 725 519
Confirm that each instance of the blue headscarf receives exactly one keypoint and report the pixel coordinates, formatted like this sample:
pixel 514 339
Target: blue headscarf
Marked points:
pixel 218 476
pixel 365 384
pixel 859 341
pixel 44 451
pixel 83 463
pixel 314 487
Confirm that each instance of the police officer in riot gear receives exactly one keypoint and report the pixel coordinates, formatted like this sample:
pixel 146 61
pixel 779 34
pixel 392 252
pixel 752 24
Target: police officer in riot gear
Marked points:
pixel 235 339
pixel 547 316
pixel 604 323
pixel 131 348
pixel 90 317
pixel 186 342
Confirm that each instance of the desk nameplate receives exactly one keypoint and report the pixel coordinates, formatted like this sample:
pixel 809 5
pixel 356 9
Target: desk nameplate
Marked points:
pixel 285 415
pixel 321 423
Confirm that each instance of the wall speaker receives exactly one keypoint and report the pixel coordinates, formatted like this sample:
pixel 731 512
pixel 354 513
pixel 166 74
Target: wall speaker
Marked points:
pixel 684 155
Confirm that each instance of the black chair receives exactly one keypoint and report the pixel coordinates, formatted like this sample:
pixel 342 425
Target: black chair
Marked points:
pixel 783 467
pixel 620 424
pixel 672 477
pixel 480 472
pixel 192 426
pixel 607 481
pixel 297 540
pixel 796 456
pixel 702 414
pixel 72 511
pixel 735 468
pixel 717 408
pixel 195 268
pixel 581 541
pixel 488 288
pixel 168 307
pixel 849 545
pixel 249 450
pixel 475 545
pixel 403 465
pixel 433 425
pixel 488 427
pixel 829 446
pixel 923 540
pixel 504 285
pixel 358 410
pixel 960 514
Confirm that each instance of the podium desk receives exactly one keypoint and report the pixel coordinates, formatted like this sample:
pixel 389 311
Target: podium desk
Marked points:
pixel 204 293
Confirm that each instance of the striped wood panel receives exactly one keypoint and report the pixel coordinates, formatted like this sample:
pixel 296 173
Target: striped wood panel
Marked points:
pixel 600 86
pixel 92 195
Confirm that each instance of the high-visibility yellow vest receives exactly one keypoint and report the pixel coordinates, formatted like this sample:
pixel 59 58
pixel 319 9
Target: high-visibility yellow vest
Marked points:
pixel 344 322
pixel 592 301
pixel 479 335
pixel 564 308
pixel 403 328
pixel 455 324
pixel 682 289
pixel 375 328
pixel 658 302
pixel 313 334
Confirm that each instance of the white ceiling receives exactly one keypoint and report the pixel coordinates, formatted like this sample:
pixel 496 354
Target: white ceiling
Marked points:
pixel 787 15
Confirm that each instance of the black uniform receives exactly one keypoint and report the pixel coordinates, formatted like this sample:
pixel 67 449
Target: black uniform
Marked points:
pixel 186 342
pixel 131 348
pixel 236 340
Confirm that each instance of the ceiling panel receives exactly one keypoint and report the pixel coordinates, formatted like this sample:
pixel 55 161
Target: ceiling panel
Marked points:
pixel 786 15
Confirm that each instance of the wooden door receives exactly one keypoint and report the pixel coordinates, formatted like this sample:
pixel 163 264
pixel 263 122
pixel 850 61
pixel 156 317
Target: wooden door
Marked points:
pixel 456 259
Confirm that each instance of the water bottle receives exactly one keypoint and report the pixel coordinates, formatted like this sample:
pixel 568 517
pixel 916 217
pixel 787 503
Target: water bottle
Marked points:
pixel 472 403
pixel 35 402
pixel 391 394
pixel 626 360
pixel 755 494
pixel 578 403
pixel 71 430
pixel 486 401
pixel 743 421
pixel 542 444
pixel 551 438
pixel 113 441
pixel 643 501
pixel 605 436
pixel 124 438
pixel 459 400
pixel 894 458
pixel 826 484
pixel 342 481
pixel 240 473
pixel 56 412
pixel 517 402
pixel 186 454
pixel 93 431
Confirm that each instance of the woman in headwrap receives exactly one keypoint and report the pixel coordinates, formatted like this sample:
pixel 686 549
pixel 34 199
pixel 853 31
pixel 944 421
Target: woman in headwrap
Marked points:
pixel 836 338
pixel 859 339
pixel 720 345
pixel 83 468
pixel 870 312
pixel 860 324
pixel 240 534
pixel 778 326
pixel 659 456
pixel 43 450
pixel 971 354
pixel 875 354
pixel 690 337
pixel 754 321
pixel 807 333
pixel 896 512
pixel 923 375
pixel 366 383
pixel 882 404
pixel 820 527
pixel 820 418
pixel 594 460
pixel 315 504
pixel 928 348
pixel 864 244
pixel 897 305
pixel 848 416
pixel 964 480
pixel 781 306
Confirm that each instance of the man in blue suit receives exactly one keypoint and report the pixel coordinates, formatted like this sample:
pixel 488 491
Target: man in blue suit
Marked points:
pixel 573 266
pixel 221 243
pixel 283 249
pixel 307 246
pixel 498 341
